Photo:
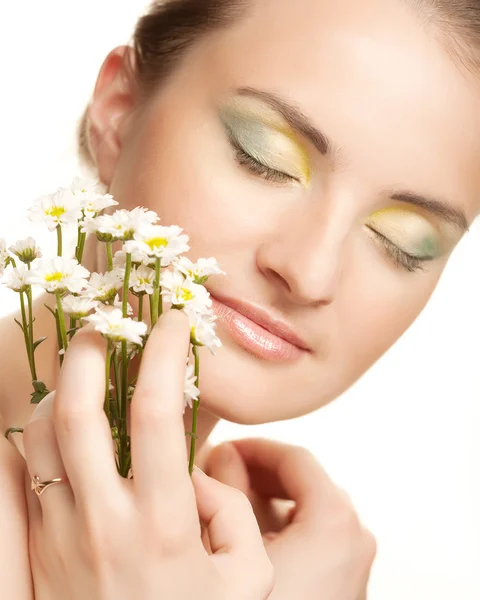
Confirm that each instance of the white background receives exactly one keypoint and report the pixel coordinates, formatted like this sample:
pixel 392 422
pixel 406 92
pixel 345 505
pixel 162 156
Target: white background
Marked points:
pixel 403 441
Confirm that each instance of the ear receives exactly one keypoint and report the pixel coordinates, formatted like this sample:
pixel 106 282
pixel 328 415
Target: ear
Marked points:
pixel 112 103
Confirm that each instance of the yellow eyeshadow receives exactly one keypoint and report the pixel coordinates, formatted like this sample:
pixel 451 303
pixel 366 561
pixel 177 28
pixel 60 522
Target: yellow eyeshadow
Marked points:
pixel 290 134
pixel 285 151
pixel 408 230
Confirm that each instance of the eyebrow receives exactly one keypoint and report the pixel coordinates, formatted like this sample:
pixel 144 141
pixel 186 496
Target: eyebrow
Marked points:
pixel 303 125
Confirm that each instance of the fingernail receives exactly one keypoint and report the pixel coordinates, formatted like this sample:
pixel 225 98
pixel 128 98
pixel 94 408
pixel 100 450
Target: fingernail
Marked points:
pixel 195 468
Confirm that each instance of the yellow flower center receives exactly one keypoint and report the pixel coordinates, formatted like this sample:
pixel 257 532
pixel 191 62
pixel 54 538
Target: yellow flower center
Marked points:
pixel 187 295
pixel 54 276
pixel 156 243
pixel 55 211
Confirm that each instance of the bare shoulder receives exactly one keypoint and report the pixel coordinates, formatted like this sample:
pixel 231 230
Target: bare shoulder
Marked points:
pixel 14 561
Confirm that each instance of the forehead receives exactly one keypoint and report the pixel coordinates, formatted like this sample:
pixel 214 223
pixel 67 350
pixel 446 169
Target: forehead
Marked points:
pixel 369 75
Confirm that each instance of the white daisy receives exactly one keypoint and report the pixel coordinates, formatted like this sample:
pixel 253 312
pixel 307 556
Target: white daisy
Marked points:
pixel 138 256
pixel 142 280
pixel 26 250
pixel 200 271
pixel 202 330
pixel 91 196
pixel 161 242
pixel 104 287
pixel 4 256
pixel 59 274
pixel 191 391
pixel 182 292
pixel 78 306
pixel 60 208
pixel 113 326
pixel 122 225
pixel 16 279
pixel 118 304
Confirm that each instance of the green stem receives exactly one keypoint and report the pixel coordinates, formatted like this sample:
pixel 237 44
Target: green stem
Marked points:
pixel 30 330
pixel 26 336
pixel 156 292
pixel 59 240
pixel 196 404
pixel 126 285
pixel 59 336
pixel 73 324
pixel 80 245
pixel 109 256
pixel 140 308
pixel 108 364
pixel 61 322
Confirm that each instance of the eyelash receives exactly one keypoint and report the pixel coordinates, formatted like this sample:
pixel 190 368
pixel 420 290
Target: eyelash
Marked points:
pixel 258 168
pixel 401 258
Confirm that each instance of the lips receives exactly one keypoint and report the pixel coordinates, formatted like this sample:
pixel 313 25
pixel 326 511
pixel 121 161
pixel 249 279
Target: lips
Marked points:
pixel 257 332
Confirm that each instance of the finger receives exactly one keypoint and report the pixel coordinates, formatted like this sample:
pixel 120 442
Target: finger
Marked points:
pixel 225 464
pixel 81 426
pixel 44 461
pixel 35 516
pixel 289 472
pixel 228 514
pixel 159 453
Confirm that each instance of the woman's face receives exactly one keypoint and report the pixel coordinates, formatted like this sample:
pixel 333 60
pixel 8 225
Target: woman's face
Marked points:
pixel 344 240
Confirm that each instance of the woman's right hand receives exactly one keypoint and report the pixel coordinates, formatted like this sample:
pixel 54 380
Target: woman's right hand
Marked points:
pixel 101 537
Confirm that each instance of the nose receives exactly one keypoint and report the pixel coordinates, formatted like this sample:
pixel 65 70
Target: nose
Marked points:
pixel 303 261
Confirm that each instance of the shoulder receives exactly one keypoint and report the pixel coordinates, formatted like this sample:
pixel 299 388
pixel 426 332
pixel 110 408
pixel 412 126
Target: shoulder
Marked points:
pixel 14 560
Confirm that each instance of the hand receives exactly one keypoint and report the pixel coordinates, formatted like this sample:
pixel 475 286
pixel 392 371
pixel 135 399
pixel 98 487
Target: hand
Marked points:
pixel 318 546
pixel 102 537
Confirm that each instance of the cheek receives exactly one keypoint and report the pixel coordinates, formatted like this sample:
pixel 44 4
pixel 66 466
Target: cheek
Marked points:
pixel 187 174
pixel 384 308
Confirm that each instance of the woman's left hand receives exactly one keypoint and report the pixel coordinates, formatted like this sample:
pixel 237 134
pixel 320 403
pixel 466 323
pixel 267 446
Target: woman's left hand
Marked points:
pixel 98 536
pixel 310 529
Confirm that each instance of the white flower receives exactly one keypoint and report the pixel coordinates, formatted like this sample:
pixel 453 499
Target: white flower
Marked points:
pixel 4 257
pixel 202 330
pixel 142 280
pixel 60 208
pixel 78 306
pixel 103 287
pixel 138 257
pixel 16 279
pixel 112 325
pixel 26 250
pixel 161 242
pixel 199 271
pixel 181 291
pixel 59 274
pixel 122 225
pixel 118 303
pixel 91 197
pixel 191 391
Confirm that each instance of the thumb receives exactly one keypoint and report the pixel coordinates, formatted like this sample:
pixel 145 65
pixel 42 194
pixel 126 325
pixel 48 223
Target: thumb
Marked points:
pixel 231 523
pixel 225 464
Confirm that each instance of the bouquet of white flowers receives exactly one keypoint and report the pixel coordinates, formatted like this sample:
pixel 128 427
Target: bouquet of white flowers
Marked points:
pixel 149 265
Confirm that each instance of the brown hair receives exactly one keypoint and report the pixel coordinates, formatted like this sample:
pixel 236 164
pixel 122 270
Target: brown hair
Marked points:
pixel 170 28
pixel 161 39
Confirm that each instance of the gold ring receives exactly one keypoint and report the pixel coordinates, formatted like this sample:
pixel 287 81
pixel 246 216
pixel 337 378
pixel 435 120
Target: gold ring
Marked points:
pixel 40 486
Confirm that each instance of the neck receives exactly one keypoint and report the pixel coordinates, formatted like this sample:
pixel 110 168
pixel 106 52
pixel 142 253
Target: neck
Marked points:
pixel 15 407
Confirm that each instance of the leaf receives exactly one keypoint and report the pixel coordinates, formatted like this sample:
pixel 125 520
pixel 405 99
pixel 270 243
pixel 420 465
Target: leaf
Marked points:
pixel 73 330
pixel 38 342
pixel 19 324
pixel 13 430
pixel 39 386
pixel 54 312
pixel 37 397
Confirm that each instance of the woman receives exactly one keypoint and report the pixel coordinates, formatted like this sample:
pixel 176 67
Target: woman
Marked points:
pixel 327 157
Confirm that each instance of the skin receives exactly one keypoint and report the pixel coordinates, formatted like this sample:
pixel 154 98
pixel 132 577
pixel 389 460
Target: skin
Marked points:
pixel 364 73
